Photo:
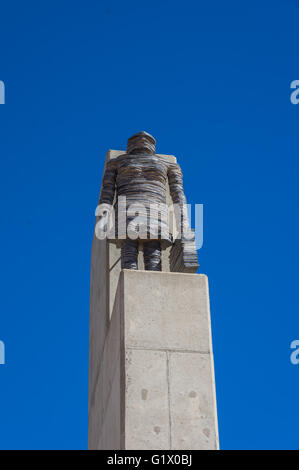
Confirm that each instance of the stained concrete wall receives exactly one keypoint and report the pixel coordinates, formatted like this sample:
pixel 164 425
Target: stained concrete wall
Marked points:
pixel 107 400
pixel 155 388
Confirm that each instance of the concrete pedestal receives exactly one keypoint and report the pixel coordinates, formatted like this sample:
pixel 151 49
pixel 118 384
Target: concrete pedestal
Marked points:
pixel 151 365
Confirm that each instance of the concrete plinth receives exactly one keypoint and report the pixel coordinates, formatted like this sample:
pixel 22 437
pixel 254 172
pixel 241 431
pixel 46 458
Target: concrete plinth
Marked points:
pixel 152 380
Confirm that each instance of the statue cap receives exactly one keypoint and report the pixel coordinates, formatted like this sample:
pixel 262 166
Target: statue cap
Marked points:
pixel 143 134
pixel 147 141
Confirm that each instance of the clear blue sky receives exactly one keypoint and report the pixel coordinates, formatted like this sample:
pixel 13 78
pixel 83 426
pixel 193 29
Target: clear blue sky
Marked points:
pixel 211 81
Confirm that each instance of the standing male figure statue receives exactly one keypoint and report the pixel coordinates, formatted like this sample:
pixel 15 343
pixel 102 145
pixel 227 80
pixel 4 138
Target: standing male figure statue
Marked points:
pixel 139 177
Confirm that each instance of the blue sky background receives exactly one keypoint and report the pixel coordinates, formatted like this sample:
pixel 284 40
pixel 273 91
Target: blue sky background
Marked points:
pixel 211 81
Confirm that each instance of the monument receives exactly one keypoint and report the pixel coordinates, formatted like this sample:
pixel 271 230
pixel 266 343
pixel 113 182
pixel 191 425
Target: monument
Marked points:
pixel 151 371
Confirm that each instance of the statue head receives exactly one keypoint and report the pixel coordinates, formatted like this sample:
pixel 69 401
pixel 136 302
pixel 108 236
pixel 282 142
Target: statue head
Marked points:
pixel 142 143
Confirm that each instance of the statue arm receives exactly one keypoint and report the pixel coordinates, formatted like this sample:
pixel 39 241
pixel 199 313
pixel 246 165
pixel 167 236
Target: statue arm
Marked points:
pixel 108 186
pixel 183 255
pixel 175 178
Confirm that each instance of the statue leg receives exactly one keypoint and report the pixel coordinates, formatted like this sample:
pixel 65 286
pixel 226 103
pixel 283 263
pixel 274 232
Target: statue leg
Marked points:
pixel 152 255
pixel 129 254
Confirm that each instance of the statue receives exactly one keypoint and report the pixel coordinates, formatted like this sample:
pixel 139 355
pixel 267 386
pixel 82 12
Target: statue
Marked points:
pixel 139 181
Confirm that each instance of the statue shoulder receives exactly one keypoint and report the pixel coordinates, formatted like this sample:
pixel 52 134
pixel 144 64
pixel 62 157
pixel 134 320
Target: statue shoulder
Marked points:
pixel 174 166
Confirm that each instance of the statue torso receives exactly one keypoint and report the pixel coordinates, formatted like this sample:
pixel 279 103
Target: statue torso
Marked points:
pixel 142 177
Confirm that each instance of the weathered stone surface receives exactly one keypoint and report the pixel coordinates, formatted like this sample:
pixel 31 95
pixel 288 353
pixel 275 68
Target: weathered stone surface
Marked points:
pixel 111 436
pixel 105 398
pixel 155 384
pixel 168 311
pixel 147 410
pixel 192 401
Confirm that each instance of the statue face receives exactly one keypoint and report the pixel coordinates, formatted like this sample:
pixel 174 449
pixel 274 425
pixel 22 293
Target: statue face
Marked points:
pixel 142 143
